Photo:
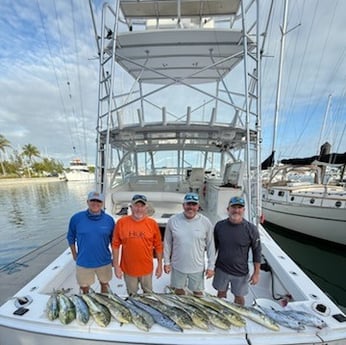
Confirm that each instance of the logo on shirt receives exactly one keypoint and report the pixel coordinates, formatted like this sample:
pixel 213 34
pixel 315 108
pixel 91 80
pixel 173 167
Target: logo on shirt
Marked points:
pixel 136 234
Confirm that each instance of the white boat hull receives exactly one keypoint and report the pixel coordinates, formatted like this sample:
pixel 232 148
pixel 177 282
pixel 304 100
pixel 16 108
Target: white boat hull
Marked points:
pixel 322 223
pixel 79 176
pixel 311 210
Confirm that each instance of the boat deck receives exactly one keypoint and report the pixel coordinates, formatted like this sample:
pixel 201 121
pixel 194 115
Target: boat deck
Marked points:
pixel 40 288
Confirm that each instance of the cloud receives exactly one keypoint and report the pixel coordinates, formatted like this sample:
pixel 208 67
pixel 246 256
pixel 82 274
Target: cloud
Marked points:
pixel 49 77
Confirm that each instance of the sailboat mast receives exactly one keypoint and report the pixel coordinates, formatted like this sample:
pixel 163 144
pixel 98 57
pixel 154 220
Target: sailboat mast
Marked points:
pixel 278 90
pixel 324 124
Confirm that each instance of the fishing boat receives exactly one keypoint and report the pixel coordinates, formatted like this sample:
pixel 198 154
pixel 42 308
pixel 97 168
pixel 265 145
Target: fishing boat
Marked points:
pixel 299 197
pixel 78 171
pixel 162 142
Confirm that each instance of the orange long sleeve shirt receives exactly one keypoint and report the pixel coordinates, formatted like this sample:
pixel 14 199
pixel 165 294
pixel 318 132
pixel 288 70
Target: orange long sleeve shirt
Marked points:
pixel 137 239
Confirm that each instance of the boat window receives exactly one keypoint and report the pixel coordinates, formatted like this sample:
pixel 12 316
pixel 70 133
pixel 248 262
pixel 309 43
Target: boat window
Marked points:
pixel 292 198
pixel 312 201
pixel 281 193
pixel 271 192
pixel 338 204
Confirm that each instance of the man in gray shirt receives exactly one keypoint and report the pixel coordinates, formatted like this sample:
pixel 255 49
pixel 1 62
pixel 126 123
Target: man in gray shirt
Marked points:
pixel 188 237
pixel 234 237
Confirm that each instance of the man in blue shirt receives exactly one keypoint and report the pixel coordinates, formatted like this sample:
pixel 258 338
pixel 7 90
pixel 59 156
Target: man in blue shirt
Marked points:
pixel 89 236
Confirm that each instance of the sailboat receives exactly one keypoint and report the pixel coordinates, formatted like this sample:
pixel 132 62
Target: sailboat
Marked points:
pixel 296 194
pixel 162 142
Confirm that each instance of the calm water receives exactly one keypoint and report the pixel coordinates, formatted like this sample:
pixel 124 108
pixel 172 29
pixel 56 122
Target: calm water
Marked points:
pixel 324 264
pixel 33 214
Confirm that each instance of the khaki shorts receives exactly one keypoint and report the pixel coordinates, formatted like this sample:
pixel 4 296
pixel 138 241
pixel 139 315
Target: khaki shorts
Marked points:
pixel 86 276
pixel 133 283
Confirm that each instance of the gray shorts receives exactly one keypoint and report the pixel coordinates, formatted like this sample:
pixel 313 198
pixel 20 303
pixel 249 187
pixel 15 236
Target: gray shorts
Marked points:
pixel 239 285
pixel 86 276
pixel 194 281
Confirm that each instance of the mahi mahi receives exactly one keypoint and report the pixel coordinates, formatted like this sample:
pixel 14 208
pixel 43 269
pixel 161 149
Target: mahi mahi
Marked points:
pixel 234 318
pixel 52 307
pixel 98 311
pixel 67 310
pixel 250 313
pixel 199 318
pixel 179 315
pixel 216 318
pixel 117 310
pixel 140 318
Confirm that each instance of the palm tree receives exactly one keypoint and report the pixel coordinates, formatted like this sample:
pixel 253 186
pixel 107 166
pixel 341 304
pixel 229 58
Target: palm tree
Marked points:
pixel 3 144
pixel 30 151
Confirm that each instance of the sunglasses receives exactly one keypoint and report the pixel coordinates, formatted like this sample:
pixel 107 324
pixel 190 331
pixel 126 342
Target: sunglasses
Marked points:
pixel 191 197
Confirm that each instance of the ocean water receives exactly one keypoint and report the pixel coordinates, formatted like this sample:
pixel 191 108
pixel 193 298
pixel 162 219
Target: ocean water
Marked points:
pixel 34 214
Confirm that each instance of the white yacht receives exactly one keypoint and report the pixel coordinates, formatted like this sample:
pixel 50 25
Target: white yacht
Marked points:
pixel 79 171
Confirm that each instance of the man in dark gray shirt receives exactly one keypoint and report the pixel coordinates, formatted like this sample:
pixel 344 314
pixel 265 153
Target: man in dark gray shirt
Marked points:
pixel 234 237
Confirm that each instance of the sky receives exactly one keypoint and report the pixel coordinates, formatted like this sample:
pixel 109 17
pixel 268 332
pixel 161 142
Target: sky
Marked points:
pixel 49 78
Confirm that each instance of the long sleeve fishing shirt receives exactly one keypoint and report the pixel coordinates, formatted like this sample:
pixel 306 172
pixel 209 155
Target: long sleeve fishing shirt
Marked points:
pixel 187 241
pixel 233 243
pixel 92 234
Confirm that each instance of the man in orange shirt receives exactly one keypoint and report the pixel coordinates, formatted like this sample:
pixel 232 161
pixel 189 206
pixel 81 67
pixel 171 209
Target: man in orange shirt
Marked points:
pixel 138 236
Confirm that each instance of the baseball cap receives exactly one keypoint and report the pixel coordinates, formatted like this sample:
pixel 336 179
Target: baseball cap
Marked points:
pixel 139 198
pixel 237 200
pixel 191 197
pixel 96 196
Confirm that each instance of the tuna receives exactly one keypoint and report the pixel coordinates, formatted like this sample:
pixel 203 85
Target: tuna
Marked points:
pixel 160 318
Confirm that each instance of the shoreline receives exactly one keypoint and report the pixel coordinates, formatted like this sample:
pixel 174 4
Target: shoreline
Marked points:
pixel 26 180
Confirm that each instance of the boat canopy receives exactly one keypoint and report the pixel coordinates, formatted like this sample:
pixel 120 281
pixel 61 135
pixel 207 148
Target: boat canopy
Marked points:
pixel 200 57
pixel 332 158
pixel 173 8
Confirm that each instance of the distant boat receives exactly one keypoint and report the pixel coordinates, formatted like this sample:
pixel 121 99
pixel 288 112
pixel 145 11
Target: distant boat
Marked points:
pixel 298 197
pixel 79 171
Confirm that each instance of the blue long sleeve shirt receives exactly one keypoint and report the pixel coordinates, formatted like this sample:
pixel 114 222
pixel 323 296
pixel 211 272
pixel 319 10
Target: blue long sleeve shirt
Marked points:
pixel 92 234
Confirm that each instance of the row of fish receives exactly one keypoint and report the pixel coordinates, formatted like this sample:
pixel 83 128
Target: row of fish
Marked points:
pixel 170 311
